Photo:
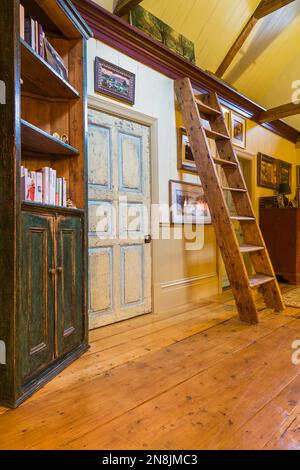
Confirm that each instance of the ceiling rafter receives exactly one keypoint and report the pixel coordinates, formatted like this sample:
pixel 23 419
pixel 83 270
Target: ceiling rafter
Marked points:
pixel 124 6
pixel 280 112
pixel 266 7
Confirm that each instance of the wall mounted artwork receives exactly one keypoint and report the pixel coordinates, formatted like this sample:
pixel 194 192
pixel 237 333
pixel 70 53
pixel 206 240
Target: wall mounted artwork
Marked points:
pixel 238 130
pixel 157 29
pixel 267 170
pixel 114 81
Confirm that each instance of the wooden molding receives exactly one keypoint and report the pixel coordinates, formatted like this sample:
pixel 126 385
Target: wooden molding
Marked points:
pixel 264 8
pixel 120 35
pixel 280 112
pixel 124 6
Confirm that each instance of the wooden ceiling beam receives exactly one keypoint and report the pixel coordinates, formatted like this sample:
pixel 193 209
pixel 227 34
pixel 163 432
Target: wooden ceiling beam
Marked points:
pixel 264 8
pixel 124 6
pixel 280 112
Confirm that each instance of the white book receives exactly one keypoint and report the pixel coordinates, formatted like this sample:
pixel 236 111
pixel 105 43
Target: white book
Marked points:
pixel 45 184
pixel 24 172
pixel 39 187
pixel 52 186
pixel 64 193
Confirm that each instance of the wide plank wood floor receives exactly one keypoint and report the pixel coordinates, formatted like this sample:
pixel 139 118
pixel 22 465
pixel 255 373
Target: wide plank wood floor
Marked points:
pixel 195 378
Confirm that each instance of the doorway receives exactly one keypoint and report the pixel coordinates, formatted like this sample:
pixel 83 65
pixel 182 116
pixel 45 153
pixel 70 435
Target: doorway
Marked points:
pixel 120 268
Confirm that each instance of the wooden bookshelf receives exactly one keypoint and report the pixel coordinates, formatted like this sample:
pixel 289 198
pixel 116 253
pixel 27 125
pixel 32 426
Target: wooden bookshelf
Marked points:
pixel 43 250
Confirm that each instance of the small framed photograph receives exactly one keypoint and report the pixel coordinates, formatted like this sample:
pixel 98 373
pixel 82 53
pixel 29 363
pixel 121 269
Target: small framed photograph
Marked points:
pixel 238 126
pixel 184 152
pixel 226 113
pixel 284 173
pixel 280 201
pixel 54 59
pixel 113 81
pixel 188 204
pixel 267 170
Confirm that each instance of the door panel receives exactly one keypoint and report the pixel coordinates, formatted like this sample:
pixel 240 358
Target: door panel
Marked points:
pixel 119 219
pixel 37 293
pixel 69 284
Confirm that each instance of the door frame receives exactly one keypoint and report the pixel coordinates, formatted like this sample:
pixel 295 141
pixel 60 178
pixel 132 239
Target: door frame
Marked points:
pixel 242 154
pixel 102 105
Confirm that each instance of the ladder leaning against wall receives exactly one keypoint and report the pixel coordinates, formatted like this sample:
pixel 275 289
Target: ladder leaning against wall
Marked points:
pixel 195 109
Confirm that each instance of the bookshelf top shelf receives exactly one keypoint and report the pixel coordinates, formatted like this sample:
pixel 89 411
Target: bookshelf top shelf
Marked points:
pixel 40 78
pixel 34 206
pixel 37 141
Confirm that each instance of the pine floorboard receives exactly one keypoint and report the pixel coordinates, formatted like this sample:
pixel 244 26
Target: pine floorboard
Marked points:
pixel 191 378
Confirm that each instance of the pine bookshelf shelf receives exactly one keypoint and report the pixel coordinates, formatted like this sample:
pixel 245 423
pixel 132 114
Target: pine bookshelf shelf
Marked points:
pixel 37 141
pixel 40 78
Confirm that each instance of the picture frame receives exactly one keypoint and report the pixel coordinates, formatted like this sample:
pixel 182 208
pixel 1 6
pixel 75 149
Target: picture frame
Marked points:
pixel 185 156
pixel 267 171
pixel 298 196
pixel 113 81
pixel 298 175
pixel 238 130
pixel 284 173
pixel 280 201
pixel 227 115
pixel 188 204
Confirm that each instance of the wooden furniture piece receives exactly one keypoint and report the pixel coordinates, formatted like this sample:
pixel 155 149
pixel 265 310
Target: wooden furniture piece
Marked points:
pixel 194 109
pixel 281 231
pixel 43 262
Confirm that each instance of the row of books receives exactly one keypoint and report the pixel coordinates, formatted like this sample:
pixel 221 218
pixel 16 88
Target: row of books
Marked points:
pixel 32 32
pixel 43 186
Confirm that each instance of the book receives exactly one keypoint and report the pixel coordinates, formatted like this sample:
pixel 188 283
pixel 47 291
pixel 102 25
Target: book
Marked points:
pixel 41 36
pixel 52 187
pixel 22 22
pixel 55 60
pixel 23 182
pixel 45 184
pixel 27 30
pixel 36 37
pixel 30 186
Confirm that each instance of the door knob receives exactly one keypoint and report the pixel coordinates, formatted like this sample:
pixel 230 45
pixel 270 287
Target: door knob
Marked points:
pixel 59 270
pixel 148 239
pixel 52 271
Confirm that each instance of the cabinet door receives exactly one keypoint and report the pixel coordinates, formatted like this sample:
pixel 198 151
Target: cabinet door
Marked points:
pixel 37 282
pixel 70 280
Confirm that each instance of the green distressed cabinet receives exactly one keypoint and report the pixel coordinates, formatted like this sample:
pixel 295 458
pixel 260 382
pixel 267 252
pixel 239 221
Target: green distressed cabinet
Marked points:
pixel 52 300
pixel 43 248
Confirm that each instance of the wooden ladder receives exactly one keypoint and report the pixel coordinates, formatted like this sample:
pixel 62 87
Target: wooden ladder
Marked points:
pixel 194 109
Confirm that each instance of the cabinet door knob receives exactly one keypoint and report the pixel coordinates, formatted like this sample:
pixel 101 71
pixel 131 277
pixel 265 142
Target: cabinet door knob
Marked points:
pixel 52 271
pixel 59 270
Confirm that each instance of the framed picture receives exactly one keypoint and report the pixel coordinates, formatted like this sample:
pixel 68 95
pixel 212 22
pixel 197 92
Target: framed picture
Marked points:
pixel 284 173
pixel 188 204
pixel 298 196
pixel 280 201
pixel 114 81
pixel 267 171
pixel 54 59
pixel 184 152
pixel 160 31
pixel 238 127
pixel 298 175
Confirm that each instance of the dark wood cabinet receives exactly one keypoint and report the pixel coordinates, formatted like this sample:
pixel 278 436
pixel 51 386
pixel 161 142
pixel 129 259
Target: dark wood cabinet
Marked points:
pixel 281 231
pixel 43 248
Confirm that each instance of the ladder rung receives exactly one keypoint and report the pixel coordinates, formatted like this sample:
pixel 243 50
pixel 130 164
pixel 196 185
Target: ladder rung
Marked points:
pixel 221 161
pixel 250 248
pixel 204 108
pixel 235 190
pixel 215 135
pixel 259 279
pixel 242 218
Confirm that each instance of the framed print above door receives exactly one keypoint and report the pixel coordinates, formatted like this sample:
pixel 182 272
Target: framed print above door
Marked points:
pixel 238 126
pixel 114 81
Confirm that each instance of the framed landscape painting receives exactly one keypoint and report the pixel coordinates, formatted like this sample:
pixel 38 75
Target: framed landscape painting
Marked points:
pixel 267 171
pixel 114 81
pixel 238 130
pixel 188 204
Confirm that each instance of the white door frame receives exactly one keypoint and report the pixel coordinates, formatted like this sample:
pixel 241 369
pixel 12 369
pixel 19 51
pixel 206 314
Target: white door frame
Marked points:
pixel 108 107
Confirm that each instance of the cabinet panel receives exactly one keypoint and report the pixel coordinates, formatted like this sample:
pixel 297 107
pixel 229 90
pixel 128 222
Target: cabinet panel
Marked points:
pixel 37 293
pixel 69 284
